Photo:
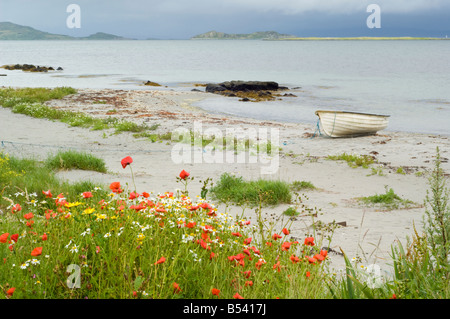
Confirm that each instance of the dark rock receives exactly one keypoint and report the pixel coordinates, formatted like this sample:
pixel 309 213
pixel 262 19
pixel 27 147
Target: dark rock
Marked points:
pixel 150 83
pixel 59 69
pixel 243 86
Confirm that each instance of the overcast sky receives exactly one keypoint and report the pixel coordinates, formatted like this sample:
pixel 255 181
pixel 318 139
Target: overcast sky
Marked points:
pixel 182 19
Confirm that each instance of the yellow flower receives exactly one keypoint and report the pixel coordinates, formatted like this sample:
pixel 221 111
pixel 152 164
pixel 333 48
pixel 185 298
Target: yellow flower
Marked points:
pixel 72 204
pixel 88 211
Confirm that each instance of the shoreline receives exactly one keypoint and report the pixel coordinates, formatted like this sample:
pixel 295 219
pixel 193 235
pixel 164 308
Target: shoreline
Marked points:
pixel 369 231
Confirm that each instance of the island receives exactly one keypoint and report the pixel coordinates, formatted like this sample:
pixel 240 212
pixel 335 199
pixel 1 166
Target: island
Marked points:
pixel 12 31
pixel 261 35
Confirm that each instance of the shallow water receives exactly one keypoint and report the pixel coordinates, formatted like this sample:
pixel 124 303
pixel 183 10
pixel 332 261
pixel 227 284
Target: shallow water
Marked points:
pixel 408 80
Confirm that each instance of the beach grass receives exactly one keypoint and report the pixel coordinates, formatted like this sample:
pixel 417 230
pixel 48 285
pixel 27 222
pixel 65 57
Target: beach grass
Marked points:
pixel 389 200
pixel 66 160
pixel 236 190
pixel 353 160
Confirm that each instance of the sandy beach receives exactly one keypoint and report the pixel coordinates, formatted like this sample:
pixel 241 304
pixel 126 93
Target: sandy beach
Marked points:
pixel 368 232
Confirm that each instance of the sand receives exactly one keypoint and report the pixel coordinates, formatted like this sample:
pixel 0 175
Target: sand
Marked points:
pixel 367 232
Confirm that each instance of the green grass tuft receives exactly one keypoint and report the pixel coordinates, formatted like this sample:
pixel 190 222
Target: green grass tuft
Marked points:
pixel 75 160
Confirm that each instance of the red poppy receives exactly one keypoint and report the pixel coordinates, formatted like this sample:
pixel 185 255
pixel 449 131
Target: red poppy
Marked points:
pixel 249 283
pixel 15 237
pixel 176 288
pixel 277 266
pixel 285 246
pixel 215 292
pixel 4 238
pixel 16 208
pixel 237 296
pixel 308 274
pixel 160 261
pixel 324 253
pixel 237 234
pixel 247 241
pixel 47 194
pixel 28 216
pixel 87 195
pixel 126 161
pixel 115 187
pixel 212 255
pixel 275 236
pixel 309 241
pixel 44 237
pixel 30 223
pixel 247 273
pixel 259 264
pixel 294 259
pixel 312 260
pixel 10 291
pixel 97 249
pixel 36 252
pixel 184 174
pixel 285 231
pixel 191 224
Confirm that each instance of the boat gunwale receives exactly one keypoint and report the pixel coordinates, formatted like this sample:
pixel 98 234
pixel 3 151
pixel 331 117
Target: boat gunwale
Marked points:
pixel 350 112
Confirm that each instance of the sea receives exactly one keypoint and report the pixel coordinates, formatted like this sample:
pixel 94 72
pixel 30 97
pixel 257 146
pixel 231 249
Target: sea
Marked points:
pixel 406 79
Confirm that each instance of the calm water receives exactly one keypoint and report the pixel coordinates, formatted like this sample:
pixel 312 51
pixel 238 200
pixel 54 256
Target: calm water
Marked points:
pixel 409 80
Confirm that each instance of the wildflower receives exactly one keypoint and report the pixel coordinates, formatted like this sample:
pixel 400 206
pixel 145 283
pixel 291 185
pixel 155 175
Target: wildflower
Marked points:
pixel 248 283
pixel 47 194
pixel 35 261
pixel 10 291
pixel 247 273
pixel 277 266
pixel 36 252
pixel 24 265
pixel 237 296
pixel 237 234
pixel 275 236
pixel 176 288
pixel 285 231
pixel 285 246
pixel 15 237
pixel 107 235
pixel 74 249
pixel 312 260
pixel 247 241
pixel 184 174
pixel 87 195
pixel 97 249
pixel 44 237
pixel 86 232
pixel 309 241
pixel 28 216
pixel 115 187
pixel 126 161
pixel 294 259
pixel 16 208
pixel 259 263
pixel 160 261
pixel 308 274
pixel 215 292
pixel 4 238
pixel 30 223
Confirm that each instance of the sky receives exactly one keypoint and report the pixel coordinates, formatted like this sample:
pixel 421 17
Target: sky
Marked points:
pixel 182 19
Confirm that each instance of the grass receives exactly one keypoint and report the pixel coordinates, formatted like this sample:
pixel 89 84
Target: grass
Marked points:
pixel 32 177
pixel 67 160
pixel 389 200
pixel 234 189
pixel 353 160
pixel 298 186
pixel 29 101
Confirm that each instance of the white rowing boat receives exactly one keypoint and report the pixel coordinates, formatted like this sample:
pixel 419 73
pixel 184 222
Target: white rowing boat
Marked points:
pixel 346 124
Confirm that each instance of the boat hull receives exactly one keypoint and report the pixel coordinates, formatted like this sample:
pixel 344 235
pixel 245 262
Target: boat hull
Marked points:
pixel 347 124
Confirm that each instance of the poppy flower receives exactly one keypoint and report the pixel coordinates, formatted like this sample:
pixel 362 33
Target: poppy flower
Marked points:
pixel 308 274
pixel 36 252
pixel 126 161
pixel 115 187
pixel 294 259
pixel 275 236
pixel 248 283
pixel 176 288
pixel 44 237
pixel 87 195
pixel 160 261
pixel 285 246
pixel 16 208
pixel 97 249
pixel 4 238
pixel 237 234
pixel 15 237
pixel 312 260
pixel 191 224
pixel 309 241
pixel 247 273
pixel 47 194
pixel 215 292
pixel 10 291
pixel 237 296
pixel 285 231
pixel 184 174
pixel 212 255
pixel 277 266
pixel 28 216
pixel 247 241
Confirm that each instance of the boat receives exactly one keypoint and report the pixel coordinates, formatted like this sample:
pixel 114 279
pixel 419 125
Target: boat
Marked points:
pixel 349 124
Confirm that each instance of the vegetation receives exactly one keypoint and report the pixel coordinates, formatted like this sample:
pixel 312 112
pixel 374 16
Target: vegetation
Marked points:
pixel 353 160
pixel 67 160
pixel 234 189
pixel 389 200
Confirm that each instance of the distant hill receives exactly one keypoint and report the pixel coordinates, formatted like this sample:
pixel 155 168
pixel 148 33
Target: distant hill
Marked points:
pixel 12 31
pixel 263 35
